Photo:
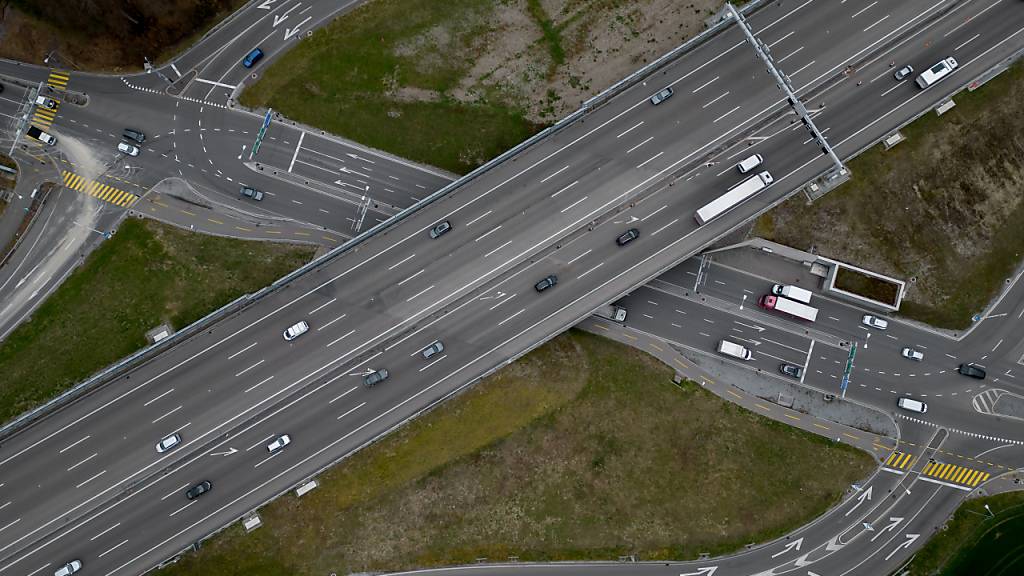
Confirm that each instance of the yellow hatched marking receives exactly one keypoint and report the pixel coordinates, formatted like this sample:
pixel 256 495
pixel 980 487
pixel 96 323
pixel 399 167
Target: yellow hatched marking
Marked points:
pixel 984 477
pixel 948 471
pixel 891 460
pixel 125 198
pixel 971 477
pixel 960 475
pixel 906 461
pixel 929 468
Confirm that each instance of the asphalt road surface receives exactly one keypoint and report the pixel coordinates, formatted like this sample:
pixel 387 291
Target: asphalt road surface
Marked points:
pixel 87 483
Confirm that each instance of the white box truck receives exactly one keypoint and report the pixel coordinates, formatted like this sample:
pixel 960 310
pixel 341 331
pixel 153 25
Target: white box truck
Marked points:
pixel 791 307
pixel 793 293
pixel 734 350
pixel 612 312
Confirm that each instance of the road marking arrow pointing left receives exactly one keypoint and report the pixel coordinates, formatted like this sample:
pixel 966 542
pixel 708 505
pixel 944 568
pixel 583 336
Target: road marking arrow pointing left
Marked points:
pixel 266 4
pixel 289 32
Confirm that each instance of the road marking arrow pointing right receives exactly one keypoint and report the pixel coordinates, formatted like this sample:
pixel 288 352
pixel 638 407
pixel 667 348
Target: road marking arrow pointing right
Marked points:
pixel 706 571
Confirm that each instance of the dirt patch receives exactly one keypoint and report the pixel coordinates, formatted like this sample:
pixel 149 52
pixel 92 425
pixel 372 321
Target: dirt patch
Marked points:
pixel 941 210
pixel 109 35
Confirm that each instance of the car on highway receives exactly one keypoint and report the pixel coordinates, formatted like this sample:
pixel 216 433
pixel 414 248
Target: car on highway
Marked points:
pixel 296 330
pixel 903 72
pixel 912 405
pixel 749 163
pixel 374 378
pixel 69 568
pixel 198 490
pixel 627 236
pixel 128 149
pixel 252 57
pixel 168 443
pixel 434 349
pixel 132 134
pixel 874 322
pixel 279 442
pixel 545 283
pixel 440 229
pixel 661 96
pixel 250 192
pixel 46 102
pixel 791 370
pixel 972 371
pixel 912 354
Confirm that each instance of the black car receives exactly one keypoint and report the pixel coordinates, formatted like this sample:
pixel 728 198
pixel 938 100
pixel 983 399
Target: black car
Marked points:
pixel 440 228
pixel 627 237
pixel 250 192
pixel 972 371
pixel 130 134
pixel 791 370
pixel 546 283
pixel 198 490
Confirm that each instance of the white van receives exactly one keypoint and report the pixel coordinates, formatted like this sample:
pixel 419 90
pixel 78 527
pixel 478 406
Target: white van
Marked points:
pixel 734 350
pixel 749 163
pixel 936 73
pixel 912 405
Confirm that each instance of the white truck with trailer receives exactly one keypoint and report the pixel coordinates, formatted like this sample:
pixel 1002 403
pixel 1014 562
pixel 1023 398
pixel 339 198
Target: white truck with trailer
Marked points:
pixel 793 293
pixel 612 312
pixel 734 197
pixel 791 307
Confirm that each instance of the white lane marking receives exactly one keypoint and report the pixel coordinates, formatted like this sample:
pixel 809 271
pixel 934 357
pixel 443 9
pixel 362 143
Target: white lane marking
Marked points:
pixel 498 248
pixel 91 479
pixel 637 125
pixel 213 83
pixel 488 233
pixel 298 145
pixel 331 322
pixel 73 444
pixel 413 276
pixel 575 182
pixel 512 316
pixel 418 294
pixel 73 466
pixel 704 85
pixel 399 263
pixel 651 159
pixel 339 339
pixel 112 549
pixel 716 99
pixel 862 10
pixel 665 226
pixel 329 302
pixel 793 53
pixel 242 350
pixel 556 173
pixel 503 301
pixel 640 144
pixel 726 114
pixel 434 362
pixel 166 415
pixel 351 411
pixel 589 271
pixel 104 532
pixel 653 213
pixel 258 384
pixel 883 19
pixel 589 250
pixel 191 502
pixel 573 205
pixel 343 394
pixel 250 367
pixel 470 223
pixel 173 492
pixel 802 68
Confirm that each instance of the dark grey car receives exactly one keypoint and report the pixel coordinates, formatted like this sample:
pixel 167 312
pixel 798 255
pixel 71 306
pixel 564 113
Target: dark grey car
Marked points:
pixel 253 193
pixel 198 490
pixel 546 282
pixel 972 371
pixel 791 370
pixel 130 134
pixel 440 229
pixel 374 378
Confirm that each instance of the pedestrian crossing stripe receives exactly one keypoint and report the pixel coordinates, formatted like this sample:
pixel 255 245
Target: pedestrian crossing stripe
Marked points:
pixel 44 117
pixel 99 190
pixel 58 80
pixel 898 460
pixel 954 473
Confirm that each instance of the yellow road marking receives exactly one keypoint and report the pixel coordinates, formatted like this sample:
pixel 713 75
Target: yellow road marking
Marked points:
pixel 187 212
pixel 848 435
pixel 791 417
pixel 214 221
pixel 630 336
pixel 656 347
pixel 734 394
pixel 822 427
pixel 765 408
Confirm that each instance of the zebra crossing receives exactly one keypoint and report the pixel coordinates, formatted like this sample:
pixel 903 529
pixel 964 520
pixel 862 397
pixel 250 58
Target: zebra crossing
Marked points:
pixel 99 190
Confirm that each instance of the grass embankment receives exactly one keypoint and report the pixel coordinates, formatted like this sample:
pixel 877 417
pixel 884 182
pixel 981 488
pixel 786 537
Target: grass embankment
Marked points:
pixel 942 210
pixel 584 449
pixel 148 273
pixel 105 34
pixel 975 543
pixel 376 76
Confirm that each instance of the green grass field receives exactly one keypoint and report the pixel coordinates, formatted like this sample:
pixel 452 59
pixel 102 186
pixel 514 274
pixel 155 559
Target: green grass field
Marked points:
pixel 148 273
pixel 383 75
pixel 946 203
pixel 975 543
pixel 584 449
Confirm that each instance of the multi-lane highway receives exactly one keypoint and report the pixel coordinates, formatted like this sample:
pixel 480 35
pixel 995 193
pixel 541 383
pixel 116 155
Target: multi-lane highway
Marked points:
pixel 88 483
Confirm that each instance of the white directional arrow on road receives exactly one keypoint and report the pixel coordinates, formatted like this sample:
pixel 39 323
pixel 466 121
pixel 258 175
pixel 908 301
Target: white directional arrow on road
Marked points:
pixel 894 521
pixel 289 32
pixel 228 453
pixel 630 221
pixel 833 544
pixel 266 4
pixel 366 372
pixel 278 18
pixel 351 171
pixel 794 545
pixel 754 342
pixel 865 495
pixel 802 561
pixel 911 538
pixel 758 328
pixel 706 571
pixel 357 157
pixel 499 294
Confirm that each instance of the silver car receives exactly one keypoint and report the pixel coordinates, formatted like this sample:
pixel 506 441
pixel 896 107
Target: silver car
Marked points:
pixel 874 322
pixel 903 72
pixel 168 443
pixel 434 349
pixel 661 96
pixel 69 568
pixel 911 354
pixel 279 442
pixel 296 330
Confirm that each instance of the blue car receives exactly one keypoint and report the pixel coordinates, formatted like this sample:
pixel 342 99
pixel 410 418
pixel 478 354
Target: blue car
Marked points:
pixel 252 57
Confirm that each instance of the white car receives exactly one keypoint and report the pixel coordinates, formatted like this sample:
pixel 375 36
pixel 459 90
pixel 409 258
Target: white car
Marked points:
pixel 296 330
pixel 46 102
pixel 278 443
pixel 168 443
pixel 874 322
pixel 69 568
pixel 128 149
pixel 749 163
pixel 911 354
pixel 912 405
